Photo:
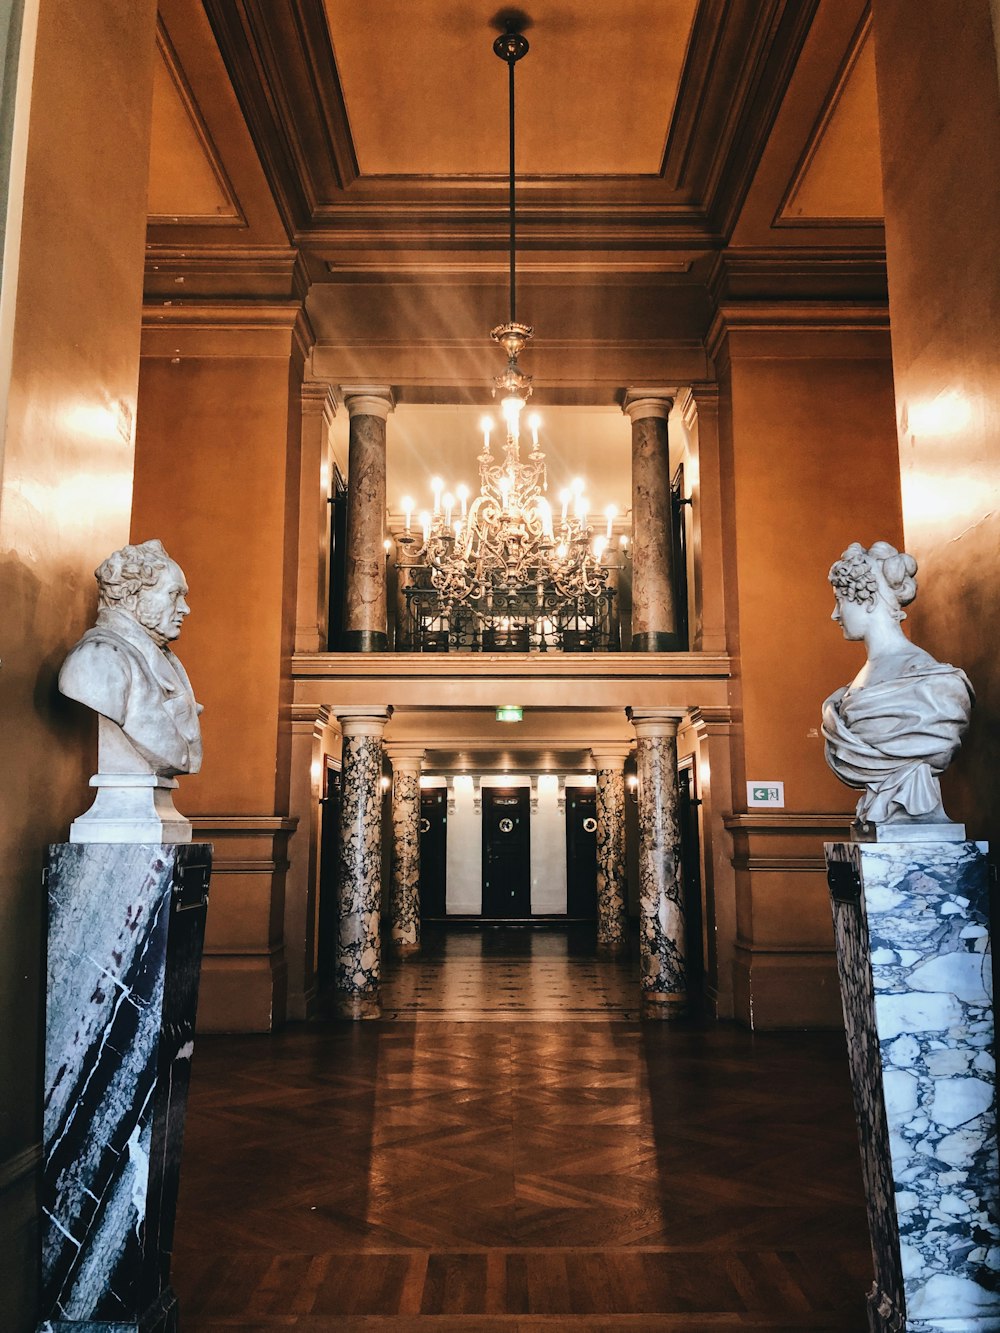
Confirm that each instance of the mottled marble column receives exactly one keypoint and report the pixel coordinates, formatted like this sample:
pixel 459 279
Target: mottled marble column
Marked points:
pixel 654 621
pixel 404 890
pixel 611 905
pixel 911 923
pixel 364 591
pixel 359 881
pixel 661 890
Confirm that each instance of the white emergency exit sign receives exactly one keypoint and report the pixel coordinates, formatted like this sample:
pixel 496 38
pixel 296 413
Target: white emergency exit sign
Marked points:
pixel 765 795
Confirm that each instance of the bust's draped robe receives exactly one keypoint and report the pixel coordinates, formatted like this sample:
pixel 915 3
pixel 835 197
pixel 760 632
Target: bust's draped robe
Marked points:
pixel 894 738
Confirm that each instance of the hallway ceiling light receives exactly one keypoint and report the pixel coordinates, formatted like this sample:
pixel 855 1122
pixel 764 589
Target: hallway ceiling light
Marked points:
pixel 510 713
pixel 509 541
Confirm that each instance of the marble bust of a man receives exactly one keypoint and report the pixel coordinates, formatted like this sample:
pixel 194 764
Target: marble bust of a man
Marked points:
pixel 124 669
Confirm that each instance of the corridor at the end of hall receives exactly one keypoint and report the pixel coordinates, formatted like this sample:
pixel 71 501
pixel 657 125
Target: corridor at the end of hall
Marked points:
pixel 508 1148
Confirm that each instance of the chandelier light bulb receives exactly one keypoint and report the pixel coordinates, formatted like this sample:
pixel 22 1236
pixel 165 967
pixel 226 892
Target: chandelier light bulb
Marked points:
pixel 511 408
pixel 623 541
pixel 486 426
pixel 437 486
pixel 425 523
pixel 407 503
pixel 564 498
pixel 577 485
pixel 610 514
pixel 449 504
pixel 463 495
pixel 534 421
pixel 600 546
pixel 561 550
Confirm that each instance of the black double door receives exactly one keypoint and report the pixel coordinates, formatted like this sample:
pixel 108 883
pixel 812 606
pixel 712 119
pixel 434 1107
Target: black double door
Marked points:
pixel 433 851
pixel 506 852
pixel 581 853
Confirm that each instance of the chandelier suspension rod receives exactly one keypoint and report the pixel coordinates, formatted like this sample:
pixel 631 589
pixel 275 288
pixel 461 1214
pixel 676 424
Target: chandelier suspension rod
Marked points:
pixel 513 211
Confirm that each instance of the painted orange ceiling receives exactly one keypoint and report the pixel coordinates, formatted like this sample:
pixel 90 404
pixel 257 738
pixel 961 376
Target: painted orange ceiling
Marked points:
pixel 841 172
pixel 425 94
pixel 185 179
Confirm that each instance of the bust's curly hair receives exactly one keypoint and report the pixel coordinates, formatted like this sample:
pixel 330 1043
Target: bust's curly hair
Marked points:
pixel 863 576
pixel 122 577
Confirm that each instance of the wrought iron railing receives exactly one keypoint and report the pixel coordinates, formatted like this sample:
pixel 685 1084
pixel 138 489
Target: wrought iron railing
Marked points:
pixel 528 620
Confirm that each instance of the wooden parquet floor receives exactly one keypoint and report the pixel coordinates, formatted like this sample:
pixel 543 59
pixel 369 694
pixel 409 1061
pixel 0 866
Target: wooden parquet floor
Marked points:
pixel 493 1172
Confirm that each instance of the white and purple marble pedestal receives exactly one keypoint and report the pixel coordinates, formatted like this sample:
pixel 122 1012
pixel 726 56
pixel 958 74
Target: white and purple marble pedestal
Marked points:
pixel 126 927
pixel 913 951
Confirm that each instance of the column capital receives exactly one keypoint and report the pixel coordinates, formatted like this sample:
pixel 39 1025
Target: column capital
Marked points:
pixel 641 403
pixel 651 722
pixel 318 399
pixel 611 756
pixel 404 756
pixel 364 721
pixel 368 400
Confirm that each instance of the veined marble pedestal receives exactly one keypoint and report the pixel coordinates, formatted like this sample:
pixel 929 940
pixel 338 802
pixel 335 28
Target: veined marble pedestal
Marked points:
pixel 913 951
pixel 126 926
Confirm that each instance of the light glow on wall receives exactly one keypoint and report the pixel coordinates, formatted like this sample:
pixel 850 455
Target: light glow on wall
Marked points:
pixel 947 414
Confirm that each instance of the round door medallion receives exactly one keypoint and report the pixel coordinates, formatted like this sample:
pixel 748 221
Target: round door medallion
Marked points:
pixel 506 825
pixel 425 826
pixel 590 824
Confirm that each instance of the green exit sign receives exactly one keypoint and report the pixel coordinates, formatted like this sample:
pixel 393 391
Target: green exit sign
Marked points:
pixel 764 795
pixel 510 713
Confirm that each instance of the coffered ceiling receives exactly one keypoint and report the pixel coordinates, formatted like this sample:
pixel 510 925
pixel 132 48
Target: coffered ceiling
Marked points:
pixel 671 153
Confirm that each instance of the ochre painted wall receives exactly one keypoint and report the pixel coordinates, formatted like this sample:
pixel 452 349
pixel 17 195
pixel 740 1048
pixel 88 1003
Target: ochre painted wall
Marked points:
pixel 212 459
pixel 67 467
pixel 939 116
pixel 217 480
pixel 809 465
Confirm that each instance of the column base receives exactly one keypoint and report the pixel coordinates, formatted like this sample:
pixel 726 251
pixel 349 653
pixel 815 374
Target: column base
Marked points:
pixel 663 1006
pixel 404 949
pixel 364 641
pixel 356 1008
pixel 657 641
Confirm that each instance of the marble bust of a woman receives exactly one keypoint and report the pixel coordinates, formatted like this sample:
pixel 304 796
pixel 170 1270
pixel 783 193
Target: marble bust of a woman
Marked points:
pixel 894 730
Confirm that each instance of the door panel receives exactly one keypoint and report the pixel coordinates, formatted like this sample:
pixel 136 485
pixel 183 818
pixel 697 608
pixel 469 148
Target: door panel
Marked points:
pixel 581 852
pixel 433 851
pixel 506 852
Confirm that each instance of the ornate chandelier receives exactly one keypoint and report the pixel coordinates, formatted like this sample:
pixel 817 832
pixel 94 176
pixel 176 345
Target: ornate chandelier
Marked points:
pixel 507 547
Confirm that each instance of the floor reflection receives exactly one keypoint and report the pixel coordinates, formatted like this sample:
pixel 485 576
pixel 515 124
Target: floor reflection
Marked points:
pixel 499 973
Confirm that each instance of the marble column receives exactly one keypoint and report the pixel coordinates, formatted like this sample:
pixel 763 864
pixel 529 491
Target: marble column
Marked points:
pixel 126 923
pixel 661 890
pixel 612 916
pixel 359 879
pixel 404 889
pixel 911 923
pixel 654 620
pixel 365 592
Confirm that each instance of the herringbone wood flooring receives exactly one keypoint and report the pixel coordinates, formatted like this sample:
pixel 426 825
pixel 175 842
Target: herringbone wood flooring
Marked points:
pixel 508 1174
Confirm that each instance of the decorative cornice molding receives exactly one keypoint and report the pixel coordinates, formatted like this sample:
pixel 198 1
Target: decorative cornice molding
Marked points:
pixel 776 821
pixel 162 321
pixel 794 317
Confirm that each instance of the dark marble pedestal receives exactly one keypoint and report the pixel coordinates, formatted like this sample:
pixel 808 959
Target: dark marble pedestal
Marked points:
pixel 126 927
pixel 911 922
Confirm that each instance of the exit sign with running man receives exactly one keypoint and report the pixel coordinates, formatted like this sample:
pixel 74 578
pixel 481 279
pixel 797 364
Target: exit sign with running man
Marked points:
pixel 765 795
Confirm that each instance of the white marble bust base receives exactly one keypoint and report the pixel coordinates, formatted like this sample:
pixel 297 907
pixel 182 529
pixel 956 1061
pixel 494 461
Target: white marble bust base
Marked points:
pixel 132 807
pixel 907 832
pixel 134 803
